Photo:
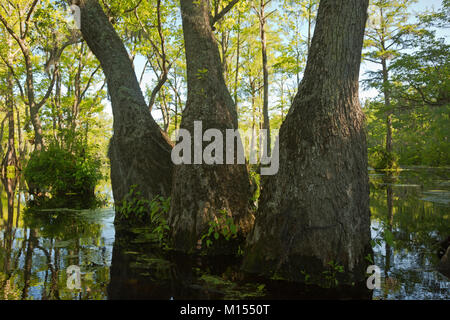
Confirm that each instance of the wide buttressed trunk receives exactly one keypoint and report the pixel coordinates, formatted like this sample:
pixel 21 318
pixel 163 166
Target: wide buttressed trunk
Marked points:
pixel 314 214
pixel 139 151
pixel 203 193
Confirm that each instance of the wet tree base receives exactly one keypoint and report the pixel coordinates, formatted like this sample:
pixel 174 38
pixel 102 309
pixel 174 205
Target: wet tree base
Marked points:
pixel 141 270
pixel 308 270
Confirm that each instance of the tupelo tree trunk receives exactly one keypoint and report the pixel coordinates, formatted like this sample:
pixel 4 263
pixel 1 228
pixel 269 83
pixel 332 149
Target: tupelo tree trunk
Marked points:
pixel 314 214
pixel 139 151
pixel 200 191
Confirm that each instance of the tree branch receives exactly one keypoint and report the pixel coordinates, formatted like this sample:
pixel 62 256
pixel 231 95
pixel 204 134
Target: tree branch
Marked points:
pixel 224 11
pixel 27 20
pixel 134 8
pixel 371 60
pixel 11 69
pixel 91 77
pixel 49 91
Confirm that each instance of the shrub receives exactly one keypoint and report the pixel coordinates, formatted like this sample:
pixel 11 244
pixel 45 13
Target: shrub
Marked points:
pixel 60 173
pixel 380 159
pixel 223 226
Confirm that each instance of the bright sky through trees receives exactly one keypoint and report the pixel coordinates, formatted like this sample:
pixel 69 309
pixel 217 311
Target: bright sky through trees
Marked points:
pixel 419 7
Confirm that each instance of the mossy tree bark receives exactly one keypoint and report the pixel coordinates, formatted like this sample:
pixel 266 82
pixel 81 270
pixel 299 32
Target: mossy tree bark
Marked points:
pixel 315 211
pixel 201 191
pixel 139 151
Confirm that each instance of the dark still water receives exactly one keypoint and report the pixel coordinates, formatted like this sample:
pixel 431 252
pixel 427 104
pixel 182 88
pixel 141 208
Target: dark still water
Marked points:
pixel 410 215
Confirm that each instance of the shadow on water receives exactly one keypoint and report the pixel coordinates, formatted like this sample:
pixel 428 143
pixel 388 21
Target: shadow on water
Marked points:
pixel 142 271
pixel 410 215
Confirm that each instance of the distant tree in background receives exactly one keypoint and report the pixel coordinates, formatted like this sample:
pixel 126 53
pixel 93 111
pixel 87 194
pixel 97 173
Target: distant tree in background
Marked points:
pixel 415 86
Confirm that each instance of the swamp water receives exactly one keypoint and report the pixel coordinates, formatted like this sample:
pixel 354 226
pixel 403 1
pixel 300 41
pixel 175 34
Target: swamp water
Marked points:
pixel 410 215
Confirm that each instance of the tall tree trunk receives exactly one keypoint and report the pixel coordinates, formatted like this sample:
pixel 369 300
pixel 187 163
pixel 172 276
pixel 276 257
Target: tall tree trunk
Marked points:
pixel 387 103
pixel 262 26
pixel 77 97
pixel 386 92
pixel 200 191
pixel 238 51
pixel 315 211
pixel 9 162
pixel 308 41
pixel 224 47
pixel 139 151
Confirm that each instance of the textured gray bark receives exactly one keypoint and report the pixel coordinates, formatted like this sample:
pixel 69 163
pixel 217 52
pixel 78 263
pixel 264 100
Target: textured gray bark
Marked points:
pixel 139 151
pixel 316 209
pixel 201 191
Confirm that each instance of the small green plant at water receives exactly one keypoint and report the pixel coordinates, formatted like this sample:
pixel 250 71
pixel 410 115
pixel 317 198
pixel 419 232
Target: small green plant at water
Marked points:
pixel 223 226
pixel 159 209
pixel 149 212
pixel 384 235
pixel 332 272
pixel 369 258
pixel 132 204
pixel 306 275
pixel 277 276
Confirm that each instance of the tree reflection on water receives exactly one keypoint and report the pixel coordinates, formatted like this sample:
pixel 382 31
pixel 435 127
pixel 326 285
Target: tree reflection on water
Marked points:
pixel 409 218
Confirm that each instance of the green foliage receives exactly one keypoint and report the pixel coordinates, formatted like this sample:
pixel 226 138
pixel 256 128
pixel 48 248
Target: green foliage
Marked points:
pixel 306 275
pixel 224 226
pixel 10 172
pixel 420 107
pixel 416 81
pixel 65 225
pixel 232 290
pixel 201 73
pixel 421 137
pixel 58 75
pixel 388 237
pixel 331 273
pixel 255 180
pixel 421 216
pixel 60 172
pixel 384 236
pixel 379 158
pixel 151 213
pixel 369 258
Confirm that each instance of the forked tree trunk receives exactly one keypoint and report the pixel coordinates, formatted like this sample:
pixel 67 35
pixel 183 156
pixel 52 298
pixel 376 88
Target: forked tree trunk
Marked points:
pixel 315 211
pixel 139 151
pixel 201 191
